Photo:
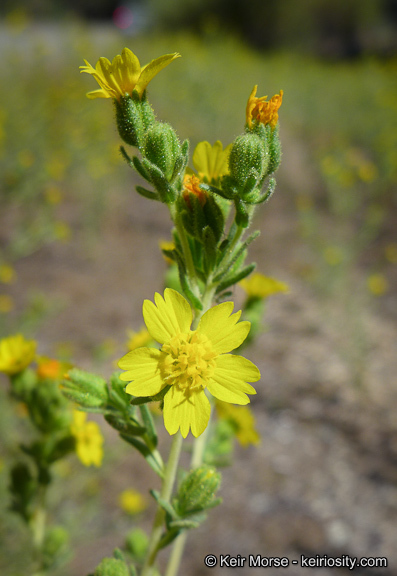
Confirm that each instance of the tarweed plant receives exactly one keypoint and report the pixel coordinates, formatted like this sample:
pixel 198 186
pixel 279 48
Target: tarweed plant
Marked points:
pixel 181 361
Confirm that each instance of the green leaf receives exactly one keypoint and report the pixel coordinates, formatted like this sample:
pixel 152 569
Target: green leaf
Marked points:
pixel 147 193
pixel 235 278
pixel 146 453
pixel 149 425
pixel 141 169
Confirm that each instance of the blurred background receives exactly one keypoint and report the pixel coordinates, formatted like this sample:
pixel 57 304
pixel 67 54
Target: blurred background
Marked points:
pixel 79 251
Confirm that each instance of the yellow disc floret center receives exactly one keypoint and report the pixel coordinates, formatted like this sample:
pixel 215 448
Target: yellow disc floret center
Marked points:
pixel 188 361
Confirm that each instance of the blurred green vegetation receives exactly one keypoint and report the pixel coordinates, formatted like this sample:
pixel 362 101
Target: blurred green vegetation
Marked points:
pixel 60 168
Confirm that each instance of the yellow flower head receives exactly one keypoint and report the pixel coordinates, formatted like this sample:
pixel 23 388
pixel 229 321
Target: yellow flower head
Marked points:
pixel 260 286
pixel 211 162
pixel 261 111
pixel 190 361
pixel 132 501
pixel 124 74
pixel 16 354
pixel 89 439
pixel 138 339
pixel 242 420
pixel 191 185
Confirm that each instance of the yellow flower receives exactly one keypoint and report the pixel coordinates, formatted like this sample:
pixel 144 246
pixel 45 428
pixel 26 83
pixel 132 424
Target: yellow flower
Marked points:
pixel 132 501
pixel 261 111
pixel 377 284
pixel 89 439
pixel 16 354
pixel 7 274
pixel 260 286
pixel 190 361
pixel 242 420
pixel 124 74
pixel 138 339
pixel 211 162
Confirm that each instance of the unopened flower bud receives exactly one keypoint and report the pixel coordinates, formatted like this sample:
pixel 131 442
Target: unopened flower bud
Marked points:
pixel 162 147
pixel 248 158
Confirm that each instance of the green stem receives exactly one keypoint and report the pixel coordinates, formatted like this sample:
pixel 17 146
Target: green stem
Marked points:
pixel 191 270
pixel 166 492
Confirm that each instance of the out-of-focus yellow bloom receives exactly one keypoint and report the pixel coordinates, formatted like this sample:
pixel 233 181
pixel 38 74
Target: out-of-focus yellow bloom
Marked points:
pixel 243 421
pixel 262 111
pixel 211 162
pixel 333 255
pixel 62 231
pixel 16 354
pixel 53 195
pixel 6 304
pixel 391 252
pixel 260 286
pixel 191 185
pixel 377 284
pixel 124 74
pixel 167 245
pixel 138 339
pixel 132 501
pixel 89 439
pixel 7 274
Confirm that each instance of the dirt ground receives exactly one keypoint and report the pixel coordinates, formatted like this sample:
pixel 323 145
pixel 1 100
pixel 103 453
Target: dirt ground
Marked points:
pixel 324 478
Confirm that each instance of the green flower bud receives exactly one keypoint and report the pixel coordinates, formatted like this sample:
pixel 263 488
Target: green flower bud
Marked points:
pixel 55 543
pixel 129 120
pixel 162 147
pixel 88 390
pixel 112 567
pixel 48 409
pixel 248 157
pixel 197 491
pixel 137 544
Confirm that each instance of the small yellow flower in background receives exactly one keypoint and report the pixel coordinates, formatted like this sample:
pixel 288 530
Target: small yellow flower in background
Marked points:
pixel 6 304
pixel 333 255
pixel 377 284
pixel 391 252
pixel 260 286
pixel 124 74
pixel 138 339
pixel 262 111
pixel 62 231
pixel 7 274
pixel 190 361
pixel 16 354
pixel 89 439
pixel 167 245
pixel 211 162
pixel 191 185
pixel 132 501
pixel 242 420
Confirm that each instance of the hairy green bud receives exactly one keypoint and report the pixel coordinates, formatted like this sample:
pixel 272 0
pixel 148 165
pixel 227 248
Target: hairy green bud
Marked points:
pixel 249 158
pixel 86 389
pixel 162 147
pixel 197 491
pixel 112 567
pixel 129 120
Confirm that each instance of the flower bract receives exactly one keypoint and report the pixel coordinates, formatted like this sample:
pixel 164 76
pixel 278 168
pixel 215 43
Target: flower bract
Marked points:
pixel 191 362
pixel 261 110
pixel 89 439
pixel 124 74
pixel 16 354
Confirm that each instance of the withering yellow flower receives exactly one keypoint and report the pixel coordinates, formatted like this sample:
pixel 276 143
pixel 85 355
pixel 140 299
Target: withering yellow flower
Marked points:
pixel 260 286
pixel 138 339
pixel 191 186
pixel 51 368
pixel 124 74
pixel 242 420
pixel 211 162
pixel 132 501
pixel 262 111
pixel 16 353
pixel 89 439
pixel 190 361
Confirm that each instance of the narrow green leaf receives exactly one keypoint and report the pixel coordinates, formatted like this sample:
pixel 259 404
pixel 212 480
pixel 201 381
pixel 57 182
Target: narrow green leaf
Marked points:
pixel 149 425
pixel 145 451
pixel 147 193
pixel 236 278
